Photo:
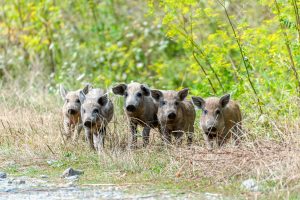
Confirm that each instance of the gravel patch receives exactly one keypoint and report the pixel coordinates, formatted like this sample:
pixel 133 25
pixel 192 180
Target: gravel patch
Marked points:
pixel 25 188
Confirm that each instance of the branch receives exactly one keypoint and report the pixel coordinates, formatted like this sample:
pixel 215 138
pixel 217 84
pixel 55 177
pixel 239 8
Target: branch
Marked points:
pixel 288 48
pixel 246 64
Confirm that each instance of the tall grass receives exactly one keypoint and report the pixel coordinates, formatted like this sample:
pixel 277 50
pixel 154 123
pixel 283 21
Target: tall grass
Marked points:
pixel 31 130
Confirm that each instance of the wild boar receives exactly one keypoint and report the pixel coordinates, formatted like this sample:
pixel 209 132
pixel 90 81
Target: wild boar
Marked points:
pixel 140 109
pixel 221 119
pixel 71 112
pixel 175 114
pixel 96 112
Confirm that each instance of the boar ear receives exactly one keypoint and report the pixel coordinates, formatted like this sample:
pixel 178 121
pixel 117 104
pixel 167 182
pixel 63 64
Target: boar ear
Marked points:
pixel 198 102
pixel 225 100
pixel 145 90
pixel 119 89
pixel 103 100
pixel 63 91
pixel 182 94
pixel 156 95
pixel 87 88
pixel 81 97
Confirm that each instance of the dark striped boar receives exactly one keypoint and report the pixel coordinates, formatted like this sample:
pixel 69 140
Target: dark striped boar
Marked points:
pixel 71 111
pixel 176 115
pixel 139 107
pixel 96 112
pixel 221 119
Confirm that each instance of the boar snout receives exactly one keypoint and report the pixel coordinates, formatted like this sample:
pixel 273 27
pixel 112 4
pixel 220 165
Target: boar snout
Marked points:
pixel 172 116
pixel 88 124
pixel 212 129
pixel 130 108
pixel 91 122
pixel 72 112
pixel 211 136
pixel 211 132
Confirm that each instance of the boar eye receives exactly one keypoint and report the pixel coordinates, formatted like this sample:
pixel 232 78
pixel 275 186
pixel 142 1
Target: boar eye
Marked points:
pixel 176 103
pixel 139 94
pixel 126 94
pixel 205 112
pixel 83 110
pixel 67 100
pixel 96 111
pixel 77 101
pixel 162 103
pixel 218 112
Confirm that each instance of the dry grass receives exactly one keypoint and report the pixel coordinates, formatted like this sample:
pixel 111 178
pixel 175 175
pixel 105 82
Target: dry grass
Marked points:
pixel 30 134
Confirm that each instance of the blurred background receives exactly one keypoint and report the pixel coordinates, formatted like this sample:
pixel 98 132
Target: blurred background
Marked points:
pixel 247 48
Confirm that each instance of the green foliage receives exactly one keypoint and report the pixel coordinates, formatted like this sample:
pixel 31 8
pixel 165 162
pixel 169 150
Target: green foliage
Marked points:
pixel 168 44
pixel 204 29
pixel 80 41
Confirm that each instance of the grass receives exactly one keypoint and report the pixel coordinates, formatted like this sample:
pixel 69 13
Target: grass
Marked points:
pixel 30 135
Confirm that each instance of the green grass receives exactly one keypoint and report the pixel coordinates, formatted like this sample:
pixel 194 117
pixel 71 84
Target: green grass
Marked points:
pixel 153 175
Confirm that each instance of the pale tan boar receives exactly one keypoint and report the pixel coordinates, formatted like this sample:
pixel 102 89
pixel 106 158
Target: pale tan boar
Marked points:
pixel 71 112
pixel 139 107
pixel 96 112
pixel 175 114
pixel 221 119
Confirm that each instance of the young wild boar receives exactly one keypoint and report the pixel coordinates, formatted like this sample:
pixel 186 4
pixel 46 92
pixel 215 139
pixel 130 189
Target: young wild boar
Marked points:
pixel 71 111
pixel 139 107
pixel 221 119
pixel 175 115
pixel 96 112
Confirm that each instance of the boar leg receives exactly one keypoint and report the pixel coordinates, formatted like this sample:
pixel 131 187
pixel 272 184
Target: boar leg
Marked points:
pixel 166 136
pixel 133 127
pixel 237 134
pixel 178 137
pixel 209 142
pixel 146 133
pixel 190 136
pixel 221 141
pixel 96 141
pixel 100 139
pixel 68 129
pixel 77 131
pixel 160 129
pixel 89 138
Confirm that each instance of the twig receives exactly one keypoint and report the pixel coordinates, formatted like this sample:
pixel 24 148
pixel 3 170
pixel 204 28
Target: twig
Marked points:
pixel 295 6
pixel 246 64
pixel 288 48
pixel 195 45
pixel 203 70
pixel 205 57
pixel 50 149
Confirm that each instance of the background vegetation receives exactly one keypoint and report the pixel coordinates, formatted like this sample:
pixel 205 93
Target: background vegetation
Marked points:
pixel 213 47
pixel 250 49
